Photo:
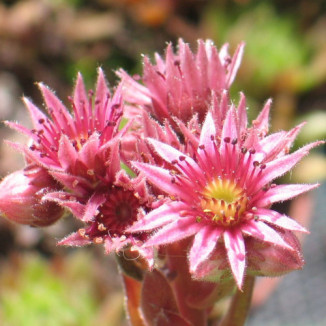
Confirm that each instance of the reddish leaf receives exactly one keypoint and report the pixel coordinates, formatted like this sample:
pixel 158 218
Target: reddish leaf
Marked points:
pixel 205 294
pixel 158 303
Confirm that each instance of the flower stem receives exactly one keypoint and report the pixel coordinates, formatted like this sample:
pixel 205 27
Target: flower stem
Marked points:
pixel 132 290
pixel 182 283
pixel 240 304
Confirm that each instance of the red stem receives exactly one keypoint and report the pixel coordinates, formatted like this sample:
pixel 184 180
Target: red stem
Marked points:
pixel 182 283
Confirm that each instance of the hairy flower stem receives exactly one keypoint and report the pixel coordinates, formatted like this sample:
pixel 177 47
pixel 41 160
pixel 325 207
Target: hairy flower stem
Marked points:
pixel 132 291
pixel 240 304
pixel 182 283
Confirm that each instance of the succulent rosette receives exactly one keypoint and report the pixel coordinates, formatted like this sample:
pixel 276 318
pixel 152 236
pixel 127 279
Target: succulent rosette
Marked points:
pixel 221 197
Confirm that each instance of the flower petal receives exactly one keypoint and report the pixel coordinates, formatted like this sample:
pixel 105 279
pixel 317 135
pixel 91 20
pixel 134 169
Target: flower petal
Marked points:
pixel 174 231
pixel 282 165
pixel 67 154
pixel 65 200
pixel 91 208
pixel 36 114
pixel 134 91
pixel 235 247
pixel 242 114
pixel 81 105
pixel 163 180
pixel 235 64
pixel 89 149
pixel 151 128
pixel 215 70
pixel 21 129
pixel 262 231
pixel 78 185
pixel 203 245
pixel 280 220
pixel 283 192
pixel 113 165
pixel 192 139
pixel 74 240
pixel 202 63
pixel 208 131
pixel 101 94
pixel 261 123
pixel 158 217
pixel 278 144
pixel 229 129
pixel 188 67
pixel 156 86
pixel 58 111
pixel 168 153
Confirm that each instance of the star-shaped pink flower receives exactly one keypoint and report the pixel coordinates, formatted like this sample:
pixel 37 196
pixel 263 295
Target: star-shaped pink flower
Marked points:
pixel 222 196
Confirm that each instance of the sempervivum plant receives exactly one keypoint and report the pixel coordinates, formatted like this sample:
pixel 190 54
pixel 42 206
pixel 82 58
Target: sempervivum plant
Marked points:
pixel 198 209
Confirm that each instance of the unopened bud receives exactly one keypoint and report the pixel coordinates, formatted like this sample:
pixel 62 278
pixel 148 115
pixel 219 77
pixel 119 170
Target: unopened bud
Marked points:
pixel 21 195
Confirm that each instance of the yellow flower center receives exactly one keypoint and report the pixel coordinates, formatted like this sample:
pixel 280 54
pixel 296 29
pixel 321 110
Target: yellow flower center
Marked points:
pixel 224 202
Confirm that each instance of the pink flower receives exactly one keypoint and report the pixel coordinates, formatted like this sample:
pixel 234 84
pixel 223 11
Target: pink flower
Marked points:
pixel 107 213
pixel 177 94
pixel 221 196
pixel 72 142
pixel 80 150
pixel 183 84
pixel 21 194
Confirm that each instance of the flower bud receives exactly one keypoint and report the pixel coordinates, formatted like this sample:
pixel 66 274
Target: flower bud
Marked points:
pixel 21 195
pixel 265 259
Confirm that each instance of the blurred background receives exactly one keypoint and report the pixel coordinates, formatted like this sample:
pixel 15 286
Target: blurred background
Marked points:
pixel 51 40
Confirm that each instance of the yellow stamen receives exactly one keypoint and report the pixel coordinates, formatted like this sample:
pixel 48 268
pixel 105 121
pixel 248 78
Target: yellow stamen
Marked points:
pixel 224 202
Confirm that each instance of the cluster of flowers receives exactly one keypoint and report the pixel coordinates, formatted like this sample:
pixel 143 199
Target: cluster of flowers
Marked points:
pixel 198 170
